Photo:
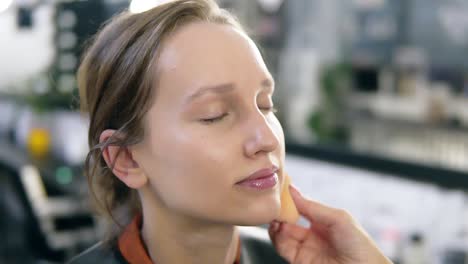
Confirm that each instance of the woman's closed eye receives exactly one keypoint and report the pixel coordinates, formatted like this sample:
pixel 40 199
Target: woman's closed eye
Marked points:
pixel 214 119
pixel 220 117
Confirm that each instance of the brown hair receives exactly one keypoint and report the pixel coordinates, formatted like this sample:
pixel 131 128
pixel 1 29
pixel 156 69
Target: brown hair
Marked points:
pixel 116 83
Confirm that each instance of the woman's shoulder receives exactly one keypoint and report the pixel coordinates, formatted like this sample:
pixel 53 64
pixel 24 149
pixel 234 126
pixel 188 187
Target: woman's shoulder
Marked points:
pixel 102 253
pixel 257 247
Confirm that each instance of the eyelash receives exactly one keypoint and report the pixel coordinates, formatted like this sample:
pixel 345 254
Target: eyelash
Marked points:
pixel 271 109
pixel 215 119
pixel 221 117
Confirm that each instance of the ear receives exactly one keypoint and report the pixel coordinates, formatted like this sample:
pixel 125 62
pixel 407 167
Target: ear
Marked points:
pixel 120 160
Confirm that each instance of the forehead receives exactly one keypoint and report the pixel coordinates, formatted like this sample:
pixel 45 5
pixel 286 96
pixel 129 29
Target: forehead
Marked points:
pixel 207 53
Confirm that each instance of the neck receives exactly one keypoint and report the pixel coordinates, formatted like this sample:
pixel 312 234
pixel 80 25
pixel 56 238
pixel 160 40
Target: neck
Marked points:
pixel 172 238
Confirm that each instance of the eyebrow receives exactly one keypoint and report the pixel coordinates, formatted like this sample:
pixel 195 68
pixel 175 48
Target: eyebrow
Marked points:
pixel 225 88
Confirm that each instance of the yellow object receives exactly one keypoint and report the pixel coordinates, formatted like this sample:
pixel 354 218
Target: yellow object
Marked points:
pixel 39 142
pixel 289 211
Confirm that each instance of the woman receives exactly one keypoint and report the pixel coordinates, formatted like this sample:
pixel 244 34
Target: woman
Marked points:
pixel 181 122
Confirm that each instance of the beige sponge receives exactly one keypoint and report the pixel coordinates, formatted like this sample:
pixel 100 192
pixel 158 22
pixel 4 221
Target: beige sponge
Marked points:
pixel 289 211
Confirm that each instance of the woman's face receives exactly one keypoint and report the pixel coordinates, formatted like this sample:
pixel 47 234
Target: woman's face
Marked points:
pixel 211 126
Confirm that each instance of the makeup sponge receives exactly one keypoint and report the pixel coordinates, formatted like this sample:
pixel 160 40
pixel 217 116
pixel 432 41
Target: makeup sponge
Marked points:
pixel 289 211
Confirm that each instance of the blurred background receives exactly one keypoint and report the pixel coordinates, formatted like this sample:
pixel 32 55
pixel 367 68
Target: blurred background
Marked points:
pixel 372 94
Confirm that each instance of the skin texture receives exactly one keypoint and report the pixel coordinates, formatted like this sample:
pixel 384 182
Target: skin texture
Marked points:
pixel 198 145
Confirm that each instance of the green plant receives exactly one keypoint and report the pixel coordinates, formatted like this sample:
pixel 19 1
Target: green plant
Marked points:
pixel 328 122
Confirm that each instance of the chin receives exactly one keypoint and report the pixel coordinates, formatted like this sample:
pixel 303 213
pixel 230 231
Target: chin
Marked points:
pixel 259 215
pixel 256 220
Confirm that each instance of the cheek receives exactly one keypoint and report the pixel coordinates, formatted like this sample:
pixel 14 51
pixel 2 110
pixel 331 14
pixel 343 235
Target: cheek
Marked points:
pixel 187 158
pixel 182 144
pixel 280 151
pixel 278 130
pixel 187 165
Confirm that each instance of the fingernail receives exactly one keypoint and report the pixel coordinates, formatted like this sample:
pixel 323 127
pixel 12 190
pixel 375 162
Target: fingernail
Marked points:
pixel 294 190
pixel 278 228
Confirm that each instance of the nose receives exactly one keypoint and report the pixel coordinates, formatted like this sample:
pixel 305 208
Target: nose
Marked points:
pixel 261 136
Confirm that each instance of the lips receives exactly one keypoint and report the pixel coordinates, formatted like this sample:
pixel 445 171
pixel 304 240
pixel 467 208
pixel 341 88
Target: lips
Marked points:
pixel 262 173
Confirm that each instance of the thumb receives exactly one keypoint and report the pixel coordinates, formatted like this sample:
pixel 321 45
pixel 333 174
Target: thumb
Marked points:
pixel 314 211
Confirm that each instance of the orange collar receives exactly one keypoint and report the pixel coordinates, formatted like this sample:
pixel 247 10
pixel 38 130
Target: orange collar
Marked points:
pixel 132 248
